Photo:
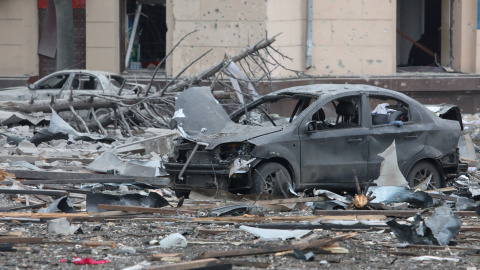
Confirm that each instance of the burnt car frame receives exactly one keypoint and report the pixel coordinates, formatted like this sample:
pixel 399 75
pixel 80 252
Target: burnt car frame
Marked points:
pixel 309 137
pixel 60 84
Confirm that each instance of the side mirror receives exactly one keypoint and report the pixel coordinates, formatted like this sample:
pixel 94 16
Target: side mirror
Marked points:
pixel 31 86
pixel 311 127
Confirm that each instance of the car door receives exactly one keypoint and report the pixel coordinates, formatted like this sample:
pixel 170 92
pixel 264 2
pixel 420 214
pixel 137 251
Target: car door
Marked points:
pixel 409 134
pixel 336 148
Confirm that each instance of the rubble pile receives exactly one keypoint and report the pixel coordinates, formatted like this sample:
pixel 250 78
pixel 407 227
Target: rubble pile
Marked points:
pixel 67 202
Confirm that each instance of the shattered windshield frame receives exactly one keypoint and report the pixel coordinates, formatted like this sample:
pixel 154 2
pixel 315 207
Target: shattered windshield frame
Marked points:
pixel 278 110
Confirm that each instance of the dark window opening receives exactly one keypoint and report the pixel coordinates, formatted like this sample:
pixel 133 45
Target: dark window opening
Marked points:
pixel 149 45
pixel 419 34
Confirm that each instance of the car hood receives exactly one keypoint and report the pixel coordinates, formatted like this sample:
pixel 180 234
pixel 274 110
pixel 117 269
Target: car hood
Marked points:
pixel 200 118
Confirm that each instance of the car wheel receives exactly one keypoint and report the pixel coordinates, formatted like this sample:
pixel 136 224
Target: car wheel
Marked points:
pixel 420 173
pixel 271 177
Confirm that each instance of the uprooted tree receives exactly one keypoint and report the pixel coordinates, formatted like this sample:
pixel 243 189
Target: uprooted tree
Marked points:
pixel 154 109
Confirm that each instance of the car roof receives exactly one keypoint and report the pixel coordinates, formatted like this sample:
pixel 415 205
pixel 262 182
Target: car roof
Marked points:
pixel 87 71
pixel 330 89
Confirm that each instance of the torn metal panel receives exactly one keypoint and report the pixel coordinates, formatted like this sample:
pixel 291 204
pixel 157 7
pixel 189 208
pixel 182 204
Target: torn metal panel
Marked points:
pixel 332 195
pixel 395 194
pixel 272 234
pixel 390 174
pixel 194 120
pixel 447 111
pixel 240 166
pixel 8 118
pixel 63 204
pixel 465 204
pixel 328 205
pixel 233 210
pixel 58 125
pixel 298 254
pixel 153 199
pixel 44 135
pixel 109 161
pixel 437 230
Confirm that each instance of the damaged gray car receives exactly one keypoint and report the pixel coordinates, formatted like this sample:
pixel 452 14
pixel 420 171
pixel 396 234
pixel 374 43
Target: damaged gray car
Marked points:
pixel 309 137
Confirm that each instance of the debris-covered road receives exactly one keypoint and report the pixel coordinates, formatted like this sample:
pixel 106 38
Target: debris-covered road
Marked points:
pixel 82 202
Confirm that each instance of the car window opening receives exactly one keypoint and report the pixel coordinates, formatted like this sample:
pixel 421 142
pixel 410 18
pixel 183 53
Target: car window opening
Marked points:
pixel 339 113
pixel 277 111
pixel 386 110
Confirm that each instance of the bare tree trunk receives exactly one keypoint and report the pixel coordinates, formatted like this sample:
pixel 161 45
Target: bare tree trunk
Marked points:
pixel 65 34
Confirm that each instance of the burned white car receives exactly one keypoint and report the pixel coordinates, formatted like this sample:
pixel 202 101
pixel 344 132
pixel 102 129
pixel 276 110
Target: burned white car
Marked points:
pixel 62 84
pixel 309 137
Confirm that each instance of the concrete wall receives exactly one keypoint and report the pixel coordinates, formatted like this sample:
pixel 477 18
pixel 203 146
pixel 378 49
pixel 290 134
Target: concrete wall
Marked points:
pixel 353 37
pixel 288 17
pixel 464 36
pixel 350 37
pixel 19 37
pixel 103 35
pixel 226 27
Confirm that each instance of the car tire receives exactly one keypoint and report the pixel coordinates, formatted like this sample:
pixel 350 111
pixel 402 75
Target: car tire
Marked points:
pixel 420 171
pixel 265 177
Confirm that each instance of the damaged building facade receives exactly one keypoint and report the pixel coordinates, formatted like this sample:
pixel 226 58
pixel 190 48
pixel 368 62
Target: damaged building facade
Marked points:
pixel 345 41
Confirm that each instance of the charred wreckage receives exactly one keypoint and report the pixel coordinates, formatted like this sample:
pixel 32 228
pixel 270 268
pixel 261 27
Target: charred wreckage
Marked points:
pixel 310 137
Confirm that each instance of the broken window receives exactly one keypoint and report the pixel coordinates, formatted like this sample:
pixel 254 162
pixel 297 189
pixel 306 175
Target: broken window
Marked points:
pixel 56 82
pixel 86 82
pixel 276 111
pixel 146 21
pixel 386 110
pixel 339 113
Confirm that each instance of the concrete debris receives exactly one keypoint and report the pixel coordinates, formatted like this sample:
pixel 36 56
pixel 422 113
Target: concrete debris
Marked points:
pixel 434 258
pixel 61 226
pixel 271 234
pixel 173 240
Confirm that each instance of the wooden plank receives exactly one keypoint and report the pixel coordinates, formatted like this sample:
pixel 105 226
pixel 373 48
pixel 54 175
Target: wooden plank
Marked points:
pixel 247 263
pixel 72 181
pixel 98 243
pixel 43 215
pixel 34 192
pixel 273 249
pixel 165 211
pixel 443 197
pixel 32 175
pixel 293 200
pixel 211 231
pixel 23 207
pixel 257 218
pixel 21 240
pixel 388 213
pixel 159 257
pixel 186 265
